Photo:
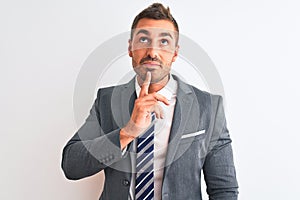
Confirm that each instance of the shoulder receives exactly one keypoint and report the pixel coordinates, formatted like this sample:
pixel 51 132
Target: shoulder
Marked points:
pixel 205 97
pixel 201 95
pixel 108 91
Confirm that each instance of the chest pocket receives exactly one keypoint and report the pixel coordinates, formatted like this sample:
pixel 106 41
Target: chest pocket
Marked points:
pixel 192 137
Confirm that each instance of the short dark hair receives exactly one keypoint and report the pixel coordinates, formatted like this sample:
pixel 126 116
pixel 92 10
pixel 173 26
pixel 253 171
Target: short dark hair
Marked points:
pixel 155 11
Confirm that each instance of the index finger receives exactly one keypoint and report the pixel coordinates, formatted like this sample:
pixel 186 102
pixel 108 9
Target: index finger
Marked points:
pixel 146 84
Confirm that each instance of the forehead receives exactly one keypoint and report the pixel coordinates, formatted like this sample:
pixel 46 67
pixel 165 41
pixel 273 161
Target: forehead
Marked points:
pixel 153 25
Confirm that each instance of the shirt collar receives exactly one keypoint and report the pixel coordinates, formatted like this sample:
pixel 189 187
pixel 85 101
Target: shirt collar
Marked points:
pixel 168 91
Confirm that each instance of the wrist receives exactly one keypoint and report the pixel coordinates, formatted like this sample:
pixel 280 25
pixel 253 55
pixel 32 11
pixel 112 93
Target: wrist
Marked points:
pixel 132 129
pixel 125 138
pixel 125 134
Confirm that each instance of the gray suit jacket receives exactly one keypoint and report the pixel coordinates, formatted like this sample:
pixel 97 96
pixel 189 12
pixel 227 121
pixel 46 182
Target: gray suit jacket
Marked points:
pixel 199 140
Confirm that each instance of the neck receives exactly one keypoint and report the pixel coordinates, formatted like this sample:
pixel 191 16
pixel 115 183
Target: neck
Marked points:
pixel 154 87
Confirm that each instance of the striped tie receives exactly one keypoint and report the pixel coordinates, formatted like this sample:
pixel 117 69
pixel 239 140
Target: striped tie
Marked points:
pixel 144 187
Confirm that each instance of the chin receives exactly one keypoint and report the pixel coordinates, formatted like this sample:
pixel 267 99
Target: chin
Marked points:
pixel 155 79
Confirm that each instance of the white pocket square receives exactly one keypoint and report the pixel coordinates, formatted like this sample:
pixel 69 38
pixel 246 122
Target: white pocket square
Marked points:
pixel 193 134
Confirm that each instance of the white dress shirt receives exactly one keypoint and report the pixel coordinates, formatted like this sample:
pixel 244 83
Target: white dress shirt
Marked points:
pixel 162 130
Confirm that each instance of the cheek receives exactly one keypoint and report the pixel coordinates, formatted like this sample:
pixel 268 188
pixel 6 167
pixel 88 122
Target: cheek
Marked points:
pixel 136 58
pixel 168 57
pixel 137 54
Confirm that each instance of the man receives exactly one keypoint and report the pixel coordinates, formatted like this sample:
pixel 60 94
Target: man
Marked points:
pixel 154 135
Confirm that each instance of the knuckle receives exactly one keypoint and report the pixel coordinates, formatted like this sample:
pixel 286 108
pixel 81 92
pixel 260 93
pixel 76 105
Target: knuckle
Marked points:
pixel 139 108
pixel 138 102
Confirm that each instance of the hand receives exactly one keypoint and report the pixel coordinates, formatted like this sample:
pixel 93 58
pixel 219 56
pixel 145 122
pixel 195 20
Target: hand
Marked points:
pixel 143 107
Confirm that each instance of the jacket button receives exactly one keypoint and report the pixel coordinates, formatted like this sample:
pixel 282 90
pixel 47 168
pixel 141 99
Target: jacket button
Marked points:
pixel 126 182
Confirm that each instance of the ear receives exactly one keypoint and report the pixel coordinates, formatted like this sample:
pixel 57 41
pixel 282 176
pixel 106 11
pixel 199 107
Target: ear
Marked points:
pixel 175 53
pixel 129 48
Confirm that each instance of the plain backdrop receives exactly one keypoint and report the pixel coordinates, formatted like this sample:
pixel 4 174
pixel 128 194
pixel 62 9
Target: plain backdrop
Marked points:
pixel 254 45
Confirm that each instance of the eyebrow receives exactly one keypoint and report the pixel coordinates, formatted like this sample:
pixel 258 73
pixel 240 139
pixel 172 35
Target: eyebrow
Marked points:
pixel 143 31
pixel 163 34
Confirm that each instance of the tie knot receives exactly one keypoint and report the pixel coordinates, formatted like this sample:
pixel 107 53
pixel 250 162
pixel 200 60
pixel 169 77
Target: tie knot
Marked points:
pixel 152 116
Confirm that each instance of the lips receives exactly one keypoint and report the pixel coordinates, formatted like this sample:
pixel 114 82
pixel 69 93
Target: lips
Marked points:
pixel 150 64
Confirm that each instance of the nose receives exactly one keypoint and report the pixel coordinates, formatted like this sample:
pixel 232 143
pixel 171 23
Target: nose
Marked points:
pixel 152 52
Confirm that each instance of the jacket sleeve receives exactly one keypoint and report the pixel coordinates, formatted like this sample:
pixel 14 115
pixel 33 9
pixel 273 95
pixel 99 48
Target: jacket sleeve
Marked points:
pixel 219 170
pixel 90 150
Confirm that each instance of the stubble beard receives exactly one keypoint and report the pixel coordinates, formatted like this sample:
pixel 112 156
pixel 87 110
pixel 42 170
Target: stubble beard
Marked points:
pixel 157 75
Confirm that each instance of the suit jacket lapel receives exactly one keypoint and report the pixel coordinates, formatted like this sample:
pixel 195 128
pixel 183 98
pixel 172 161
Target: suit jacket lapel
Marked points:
pixel 123 100
pixel 185 118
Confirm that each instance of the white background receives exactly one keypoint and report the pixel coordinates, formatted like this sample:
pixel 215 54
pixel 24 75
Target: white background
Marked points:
pixel 43 44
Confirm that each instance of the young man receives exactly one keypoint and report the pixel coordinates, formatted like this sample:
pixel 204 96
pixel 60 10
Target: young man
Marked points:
pixel 154 135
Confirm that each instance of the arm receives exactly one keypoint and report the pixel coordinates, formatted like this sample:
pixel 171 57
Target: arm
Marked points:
pixel 90 150
pixel 219 170
pixel 98 143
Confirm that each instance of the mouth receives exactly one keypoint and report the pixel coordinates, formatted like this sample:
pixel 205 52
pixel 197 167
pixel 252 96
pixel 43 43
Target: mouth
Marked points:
pixel 151 64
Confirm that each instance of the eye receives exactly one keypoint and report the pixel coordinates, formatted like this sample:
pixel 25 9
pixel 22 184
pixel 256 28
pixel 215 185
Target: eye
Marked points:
pixel 164 42
pixel 144 40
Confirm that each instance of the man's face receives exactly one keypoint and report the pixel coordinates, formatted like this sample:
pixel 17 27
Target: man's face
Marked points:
pixel 153 48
